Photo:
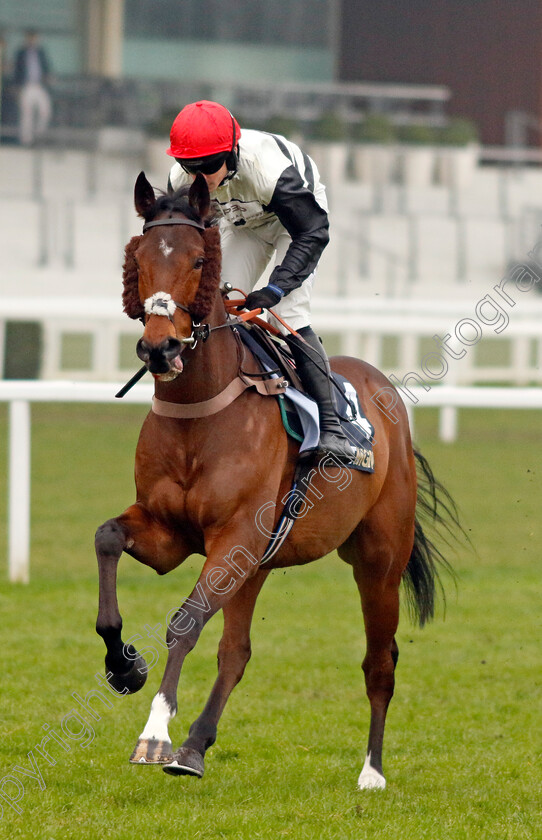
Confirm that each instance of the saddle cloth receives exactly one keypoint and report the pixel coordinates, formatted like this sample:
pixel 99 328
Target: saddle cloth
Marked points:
pixel 300 413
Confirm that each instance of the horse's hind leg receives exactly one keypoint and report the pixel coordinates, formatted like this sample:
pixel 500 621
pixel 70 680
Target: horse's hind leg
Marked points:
pixel 233 655
pixel 379 551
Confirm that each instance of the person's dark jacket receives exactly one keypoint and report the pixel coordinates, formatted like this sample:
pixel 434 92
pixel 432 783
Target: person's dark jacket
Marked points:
pixel 20 70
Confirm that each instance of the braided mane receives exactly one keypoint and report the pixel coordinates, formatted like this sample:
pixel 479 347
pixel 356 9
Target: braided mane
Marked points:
pixel 131 303
pixel 210 276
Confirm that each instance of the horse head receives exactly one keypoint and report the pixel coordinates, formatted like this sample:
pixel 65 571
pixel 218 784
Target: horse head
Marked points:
pixel 171 272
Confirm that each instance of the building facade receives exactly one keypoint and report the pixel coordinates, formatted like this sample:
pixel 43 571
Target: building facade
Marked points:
pixel 487 52
pixel 194 39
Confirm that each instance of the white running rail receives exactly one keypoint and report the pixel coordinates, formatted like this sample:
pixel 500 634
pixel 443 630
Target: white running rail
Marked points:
pixel 358 327
pixel 19 395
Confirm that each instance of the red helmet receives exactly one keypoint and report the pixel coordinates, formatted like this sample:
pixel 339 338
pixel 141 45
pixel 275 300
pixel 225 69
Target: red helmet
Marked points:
pixel 202 129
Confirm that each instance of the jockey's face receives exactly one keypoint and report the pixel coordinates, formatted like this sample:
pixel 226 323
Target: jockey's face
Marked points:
pixel 215 179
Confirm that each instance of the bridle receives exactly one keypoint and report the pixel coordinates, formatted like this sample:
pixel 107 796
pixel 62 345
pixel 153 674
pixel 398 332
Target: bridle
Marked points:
pixel 163 304
pixel 173 221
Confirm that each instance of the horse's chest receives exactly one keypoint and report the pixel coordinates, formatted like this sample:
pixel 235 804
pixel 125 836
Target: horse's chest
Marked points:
pixel 194 504
pixel 166 500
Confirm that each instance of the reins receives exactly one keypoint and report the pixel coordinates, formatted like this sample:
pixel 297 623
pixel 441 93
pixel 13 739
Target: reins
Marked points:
pixel 162 304
pixel 203 331
pixel 206 408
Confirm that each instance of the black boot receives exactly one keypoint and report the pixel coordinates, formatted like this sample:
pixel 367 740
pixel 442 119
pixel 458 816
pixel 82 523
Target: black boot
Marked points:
pixel 313 368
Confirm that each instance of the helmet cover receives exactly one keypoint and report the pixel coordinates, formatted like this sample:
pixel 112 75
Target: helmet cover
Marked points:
pixel 201 129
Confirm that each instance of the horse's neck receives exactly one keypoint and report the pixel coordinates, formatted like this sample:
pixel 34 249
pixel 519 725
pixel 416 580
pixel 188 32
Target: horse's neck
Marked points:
pixel 209 368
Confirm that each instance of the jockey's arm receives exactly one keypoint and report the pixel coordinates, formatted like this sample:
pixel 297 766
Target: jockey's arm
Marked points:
pixel 308 225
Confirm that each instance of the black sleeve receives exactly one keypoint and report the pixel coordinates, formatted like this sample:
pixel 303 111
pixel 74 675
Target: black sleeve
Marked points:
pixel 306 222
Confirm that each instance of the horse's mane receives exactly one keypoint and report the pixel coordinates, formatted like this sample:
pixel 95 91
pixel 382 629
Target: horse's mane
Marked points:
pixel 210 276
pixel 130 292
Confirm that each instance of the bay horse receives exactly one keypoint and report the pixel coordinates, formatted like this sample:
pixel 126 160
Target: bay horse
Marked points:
pixel 212 485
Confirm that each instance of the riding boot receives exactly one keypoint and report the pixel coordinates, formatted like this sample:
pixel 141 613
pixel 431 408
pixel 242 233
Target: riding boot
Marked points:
pixel 313 368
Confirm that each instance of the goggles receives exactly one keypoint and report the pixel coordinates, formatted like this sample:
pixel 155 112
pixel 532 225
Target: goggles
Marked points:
pixel 207 166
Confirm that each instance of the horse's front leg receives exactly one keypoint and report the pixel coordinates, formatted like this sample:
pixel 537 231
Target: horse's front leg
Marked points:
pixel 232 562
pixel 233 655
pixel 141 536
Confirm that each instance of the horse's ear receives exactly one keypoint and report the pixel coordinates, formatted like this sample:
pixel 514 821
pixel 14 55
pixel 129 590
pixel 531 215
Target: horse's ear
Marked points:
pixel 198 196
pixel 144 197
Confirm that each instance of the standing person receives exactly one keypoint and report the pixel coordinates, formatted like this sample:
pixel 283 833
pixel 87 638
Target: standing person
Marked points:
pixel 270 202
pixel 32 70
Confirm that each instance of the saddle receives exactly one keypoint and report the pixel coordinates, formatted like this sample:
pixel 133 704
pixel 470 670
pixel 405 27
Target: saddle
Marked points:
pixel 273 354
pixel 299 411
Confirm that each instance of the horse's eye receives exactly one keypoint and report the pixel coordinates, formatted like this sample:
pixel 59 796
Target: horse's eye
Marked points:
pixel 199 262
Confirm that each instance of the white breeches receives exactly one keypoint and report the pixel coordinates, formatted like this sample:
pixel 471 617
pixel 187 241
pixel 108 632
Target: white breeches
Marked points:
pixel 35 113
pixel 248 252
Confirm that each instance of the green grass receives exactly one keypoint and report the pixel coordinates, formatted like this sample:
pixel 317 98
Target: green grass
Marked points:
pixel 463 743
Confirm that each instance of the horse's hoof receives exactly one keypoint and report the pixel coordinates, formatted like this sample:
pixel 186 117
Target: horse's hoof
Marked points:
pixel 185 762
pixel 371 782
pixel 370 778
pixel 151 752
pixel 130 681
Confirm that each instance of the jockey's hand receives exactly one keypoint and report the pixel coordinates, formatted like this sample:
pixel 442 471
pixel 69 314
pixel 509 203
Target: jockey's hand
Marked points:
pixel 262 298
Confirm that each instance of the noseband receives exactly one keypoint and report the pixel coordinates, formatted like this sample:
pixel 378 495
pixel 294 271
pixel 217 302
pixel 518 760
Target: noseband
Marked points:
pixel 161 303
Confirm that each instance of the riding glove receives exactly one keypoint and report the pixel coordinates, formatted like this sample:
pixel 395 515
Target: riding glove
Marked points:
pixel 263 298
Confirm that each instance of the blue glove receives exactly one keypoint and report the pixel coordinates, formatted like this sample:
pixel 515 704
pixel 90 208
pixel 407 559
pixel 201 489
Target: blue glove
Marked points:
pixel 263 298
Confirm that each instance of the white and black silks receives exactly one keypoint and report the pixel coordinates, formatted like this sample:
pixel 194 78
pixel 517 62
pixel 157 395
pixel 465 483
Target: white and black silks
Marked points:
pixel 274 179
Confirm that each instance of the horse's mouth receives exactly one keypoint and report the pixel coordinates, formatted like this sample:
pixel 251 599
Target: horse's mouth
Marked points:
pixel 163 360
pixel 176 366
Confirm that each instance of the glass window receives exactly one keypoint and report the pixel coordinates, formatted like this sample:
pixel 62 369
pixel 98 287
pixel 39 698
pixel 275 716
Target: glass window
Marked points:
pixel 288 22
pixel 51 17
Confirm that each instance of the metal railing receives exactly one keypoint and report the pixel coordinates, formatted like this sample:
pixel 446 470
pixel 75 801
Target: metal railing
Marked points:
pixel 84 104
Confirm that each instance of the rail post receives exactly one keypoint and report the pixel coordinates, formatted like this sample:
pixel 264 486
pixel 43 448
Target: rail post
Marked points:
pixel 19 492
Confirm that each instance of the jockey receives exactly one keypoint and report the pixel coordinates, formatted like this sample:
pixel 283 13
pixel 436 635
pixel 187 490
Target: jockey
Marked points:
pixel 269 200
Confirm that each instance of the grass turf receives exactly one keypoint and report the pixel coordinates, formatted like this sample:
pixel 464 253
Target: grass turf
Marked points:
pixel 462 751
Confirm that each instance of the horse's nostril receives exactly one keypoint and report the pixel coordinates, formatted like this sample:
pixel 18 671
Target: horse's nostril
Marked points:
pixel 142 350
pixel 171 348
pixel 158 357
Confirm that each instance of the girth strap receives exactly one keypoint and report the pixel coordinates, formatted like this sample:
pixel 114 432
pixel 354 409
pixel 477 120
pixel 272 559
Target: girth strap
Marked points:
pixel 186 411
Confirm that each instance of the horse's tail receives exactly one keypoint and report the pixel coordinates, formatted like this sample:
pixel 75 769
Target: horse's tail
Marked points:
pixel 434 506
